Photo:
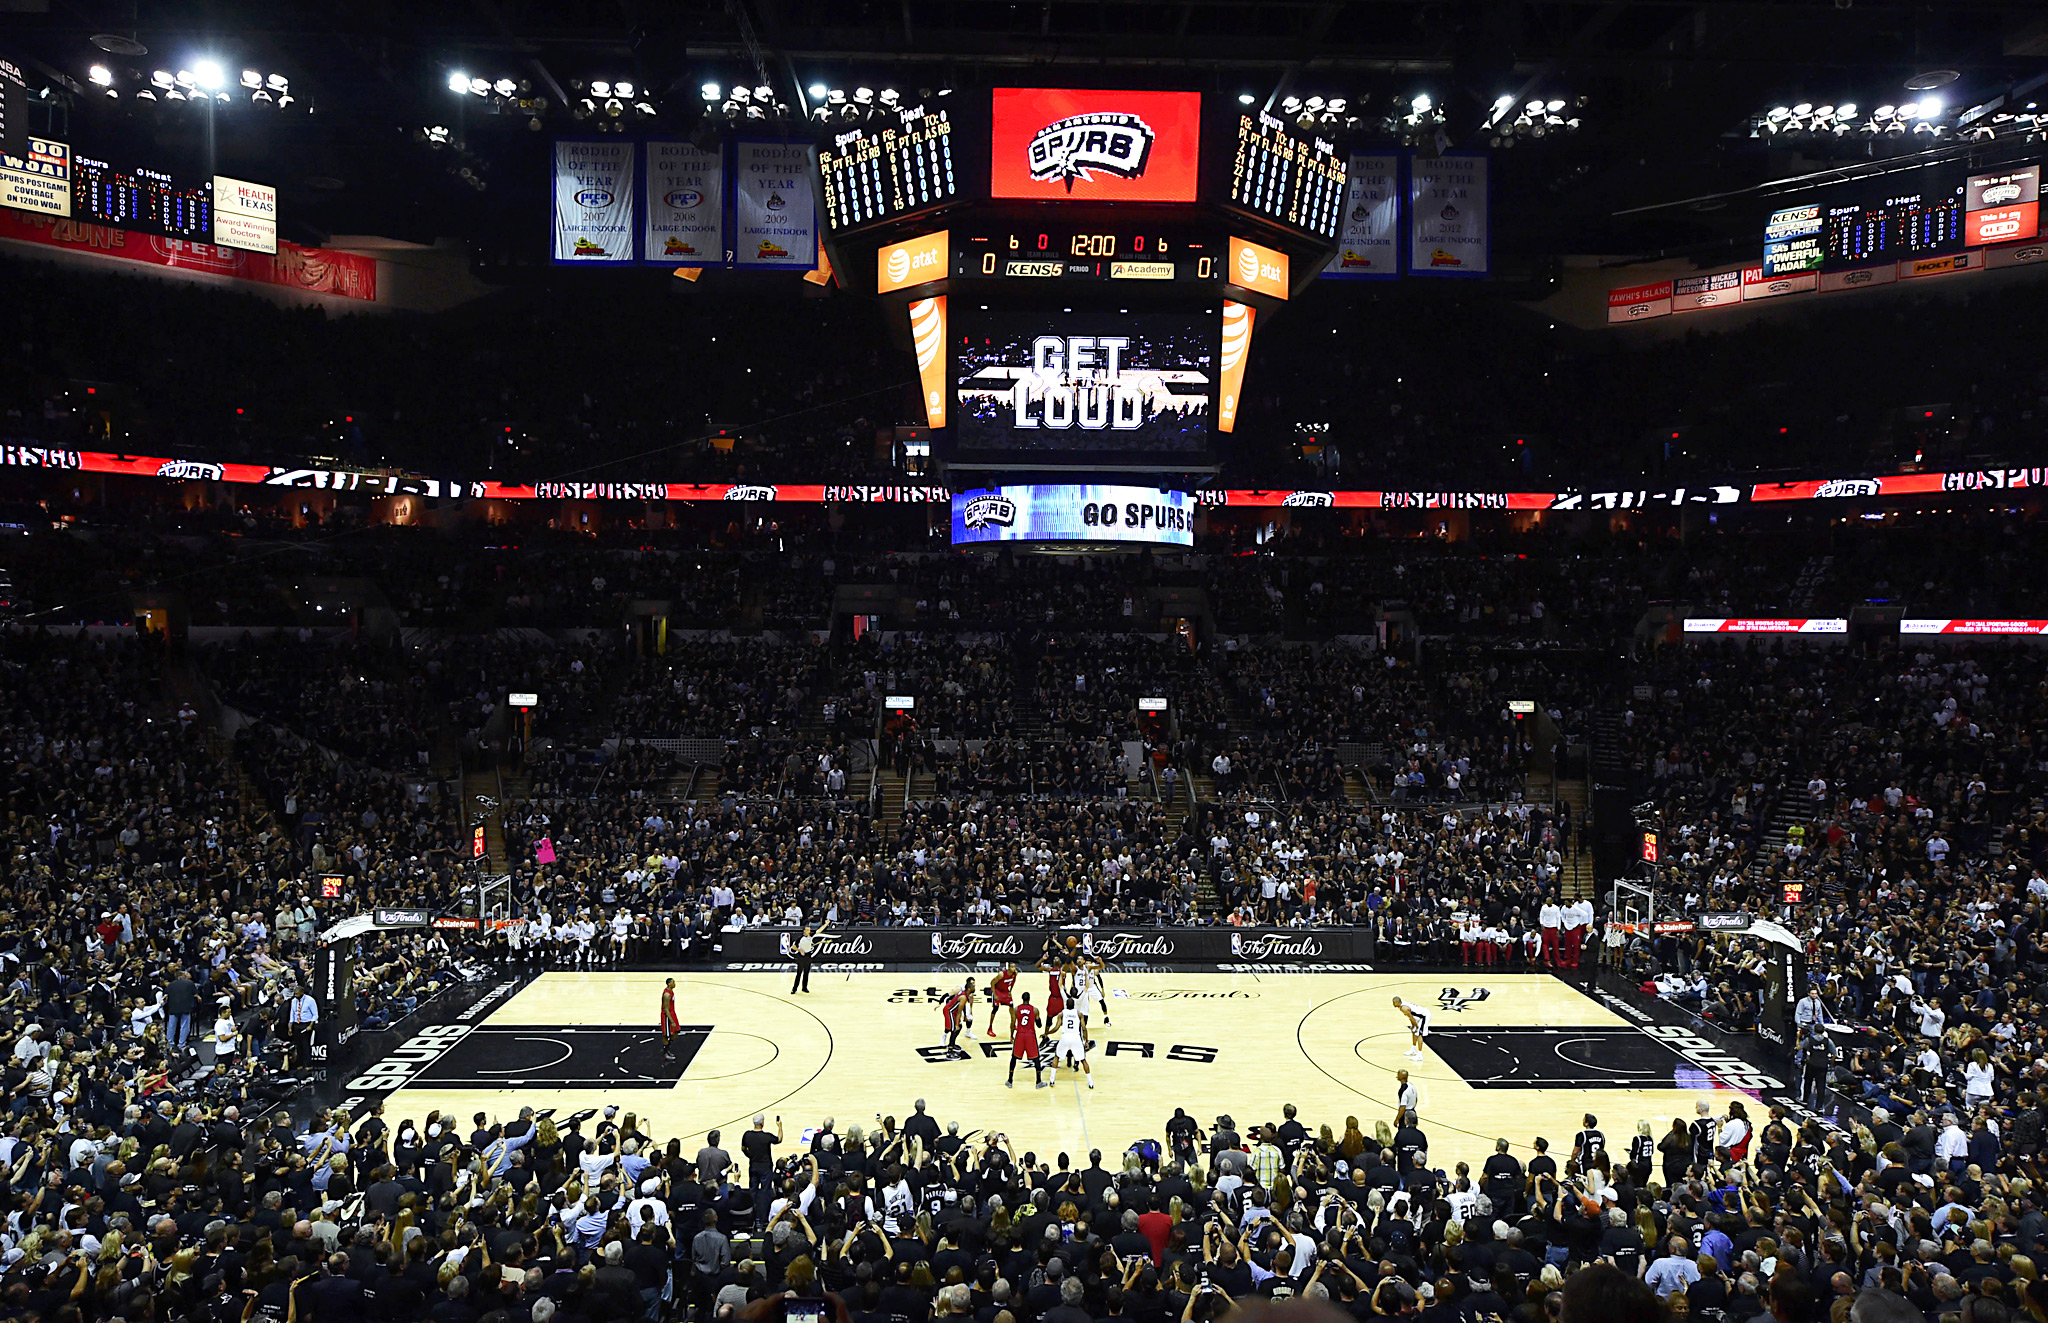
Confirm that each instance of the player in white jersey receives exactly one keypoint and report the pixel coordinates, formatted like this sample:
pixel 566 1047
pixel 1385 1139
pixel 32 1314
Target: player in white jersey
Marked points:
pixel 1073 1044
pixel 1088 992
pixel 584 930
pixel 622 928
pixel 1418 1025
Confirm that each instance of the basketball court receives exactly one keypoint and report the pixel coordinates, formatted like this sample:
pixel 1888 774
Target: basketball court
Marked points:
pixel 1514 1055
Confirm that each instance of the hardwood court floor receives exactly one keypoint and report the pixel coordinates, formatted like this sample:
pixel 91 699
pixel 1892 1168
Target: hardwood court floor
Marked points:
pixel 1525 1059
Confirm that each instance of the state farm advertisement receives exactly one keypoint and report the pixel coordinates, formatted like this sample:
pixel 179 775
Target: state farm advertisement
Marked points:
pixel 1064 145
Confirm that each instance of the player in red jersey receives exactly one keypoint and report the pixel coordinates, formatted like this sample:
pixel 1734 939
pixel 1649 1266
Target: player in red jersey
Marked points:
pixel 1024 1041
pixel 1055 996
pixel 1001 991
pixel 670 1024
pixel 958 1013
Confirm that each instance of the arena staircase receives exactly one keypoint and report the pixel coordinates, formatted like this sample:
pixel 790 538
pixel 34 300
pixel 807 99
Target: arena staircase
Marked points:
pixel 894 793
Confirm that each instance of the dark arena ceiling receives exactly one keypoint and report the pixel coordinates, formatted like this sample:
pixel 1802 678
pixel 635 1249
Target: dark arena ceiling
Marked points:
pixel 1658 114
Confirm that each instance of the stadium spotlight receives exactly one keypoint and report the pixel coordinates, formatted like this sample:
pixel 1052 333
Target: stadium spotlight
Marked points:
pixel 623 89
pixel 600 88
pixel 101 76
pixel 1803 108
pixel 1245 98
pixel 209 74
pixel 1422 102
pixel 458 82
pixel 710 91
pixel 817 91
pixel 1930 107
pixel 1846 110
pixel 505 87
pixel 1909 109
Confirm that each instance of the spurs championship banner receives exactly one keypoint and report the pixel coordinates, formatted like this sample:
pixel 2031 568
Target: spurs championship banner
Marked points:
pixel 928 338
pixel 1447 216
pixel 685 205
pixel 1256 948
pixel 39 180
pixel 1369 238
pixel 775 212
pixel 1237 347
pixel 593 200
pixel 308 270
pixel 1987 627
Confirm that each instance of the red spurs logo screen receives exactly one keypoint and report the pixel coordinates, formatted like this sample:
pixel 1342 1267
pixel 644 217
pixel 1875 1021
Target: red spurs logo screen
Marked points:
pixel 1086 146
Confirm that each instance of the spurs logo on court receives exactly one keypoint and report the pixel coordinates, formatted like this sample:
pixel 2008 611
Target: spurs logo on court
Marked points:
pixel 1128 946
pixel 1453 1000
pixel 1270 946
pixel 825 946
pixel 965 946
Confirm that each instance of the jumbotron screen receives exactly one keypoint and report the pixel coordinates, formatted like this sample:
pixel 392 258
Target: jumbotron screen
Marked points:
pixel 1085 383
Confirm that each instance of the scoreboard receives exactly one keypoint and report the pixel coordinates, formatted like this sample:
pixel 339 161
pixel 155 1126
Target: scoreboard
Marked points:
pixel 1289 177
pixel 872 175
pixel 1080 271
pixel 1891 222
pixel 1897 217
pixel 142 197
pixel 1116 253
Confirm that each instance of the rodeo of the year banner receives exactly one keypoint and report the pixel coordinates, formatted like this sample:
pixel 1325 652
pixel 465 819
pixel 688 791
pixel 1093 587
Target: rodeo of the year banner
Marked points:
pixel 594 192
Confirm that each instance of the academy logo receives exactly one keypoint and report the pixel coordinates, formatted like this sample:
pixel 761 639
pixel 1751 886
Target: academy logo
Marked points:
pixel 1072 149
pixel 1453 1000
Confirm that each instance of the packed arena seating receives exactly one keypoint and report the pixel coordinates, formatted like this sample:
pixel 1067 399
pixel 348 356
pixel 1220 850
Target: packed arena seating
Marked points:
pixel 185 816
pixel 1897 781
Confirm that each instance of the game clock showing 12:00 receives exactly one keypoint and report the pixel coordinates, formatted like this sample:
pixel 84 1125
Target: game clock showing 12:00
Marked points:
pixel 1126 255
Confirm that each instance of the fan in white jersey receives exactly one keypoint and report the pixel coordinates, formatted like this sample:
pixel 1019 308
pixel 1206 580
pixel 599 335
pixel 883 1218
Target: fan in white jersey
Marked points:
pixel 1073 1047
